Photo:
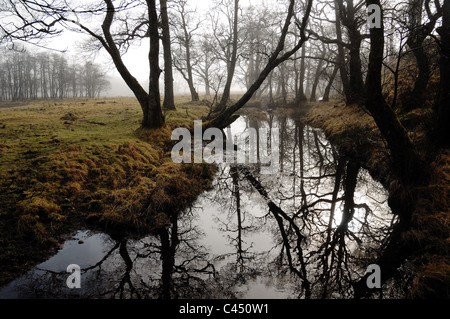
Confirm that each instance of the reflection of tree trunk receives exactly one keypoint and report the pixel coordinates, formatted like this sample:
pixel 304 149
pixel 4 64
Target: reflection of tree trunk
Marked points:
pixel 347 215
pixel 167 264
pixel 283 138
pixel 319 153
pixel 337 185
pixel 236 192
pixel 280 216
pixel 129 266
pixel 351 179
pixel 253 123
pixel 169 242
pixel 300 126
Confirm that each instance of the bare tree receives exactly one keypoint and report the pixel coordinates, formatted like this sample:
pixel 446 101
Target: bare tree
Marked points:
pixel 444 102
pixel 169 99
pixel 206 62
pixel 348 14
pixel 405 156
pixel 276 58
pixel 418 32
pixel 231 57
pixel 183 57
pixel 319 72
pixel 301 97
pixel 34 20
pixel 256 38
pixel 25 75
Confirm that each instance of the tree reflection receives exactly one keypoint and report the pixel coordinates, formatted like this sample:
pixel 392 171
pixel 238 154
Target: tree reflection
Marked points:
pixel 325 217
pixel 328 217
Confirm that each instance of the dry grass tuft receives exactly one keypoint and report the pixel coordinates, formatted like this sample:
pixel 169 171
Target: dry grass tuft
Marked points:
pixel 73 163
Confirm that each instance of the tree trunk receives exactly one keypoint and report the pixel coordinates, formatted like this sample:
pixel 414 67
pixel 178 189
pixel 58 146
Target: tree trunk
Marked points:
pixel 231 64
pixel 190 79
pixel 224 118
pixel 419 94
pixel 326 94
pixel 319 70
pixel 444 101
pixel 340 12
pixel 187 45
pixel 283 80
pixel 301 97
pixel 356 79
pixel 150 103
pixel 169 100
pixel 356 88
pixel 415 41
pixel 153 117
pixel 405 157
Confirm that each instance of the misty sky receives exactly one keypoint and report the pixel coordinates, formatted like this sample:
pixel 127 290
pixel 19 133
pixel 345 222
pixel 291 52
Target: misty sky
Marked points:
pixel 136 58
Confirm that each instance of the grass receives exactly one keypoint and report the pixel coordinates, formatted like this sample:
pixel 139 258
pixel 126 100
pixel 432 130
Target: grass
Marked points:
pixel 86 163
pixel 355 133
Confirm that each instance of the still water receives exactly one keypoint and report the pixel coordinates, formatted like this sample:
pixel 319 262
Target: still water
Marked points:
pixel 308 231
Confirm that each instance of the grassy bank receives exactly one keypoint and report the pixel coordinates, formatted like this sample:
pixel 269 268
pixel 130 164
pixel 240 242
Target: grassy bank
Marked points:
pixel 428 237
pixel 86 163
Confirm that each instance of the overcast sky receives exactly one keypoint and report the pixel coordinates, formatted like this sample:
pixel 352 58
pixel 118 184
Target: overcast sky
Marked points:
pixel 136 58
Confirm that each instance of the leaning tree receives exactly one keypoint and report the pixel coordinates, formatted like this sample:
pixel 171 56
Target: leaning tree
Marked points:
pixel 113 27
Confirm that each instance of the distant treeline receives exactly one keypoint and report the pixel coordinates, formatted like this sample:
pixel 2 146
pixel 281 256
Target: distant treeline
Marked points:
pixel 28 75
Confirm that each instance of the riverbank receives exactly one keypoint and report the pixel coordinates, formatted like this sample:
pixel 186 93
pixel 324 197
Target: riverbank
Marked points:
pixel 75 164
pixel 426 241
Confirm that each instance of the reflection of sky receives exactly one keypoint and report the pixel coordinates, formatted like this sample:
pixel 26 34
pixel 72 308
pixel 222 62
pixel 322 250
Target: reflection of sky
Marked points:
pixel 85 253
pixel 84 249
pixel 211 230
pixel 284 190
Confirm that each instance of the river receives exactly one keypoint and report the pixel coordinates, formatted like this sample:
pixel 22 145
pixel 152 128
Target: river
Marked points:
pixel 306 231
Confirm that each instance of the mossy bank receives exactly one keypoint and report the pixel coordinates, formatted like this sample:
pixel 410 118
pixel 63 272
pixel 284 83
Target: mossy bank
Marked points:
pixel 426 240
pixel 76 164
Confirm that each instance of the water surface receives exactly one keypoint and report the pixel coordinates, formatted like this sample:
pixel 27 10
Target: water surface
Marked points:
pixel 307 231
